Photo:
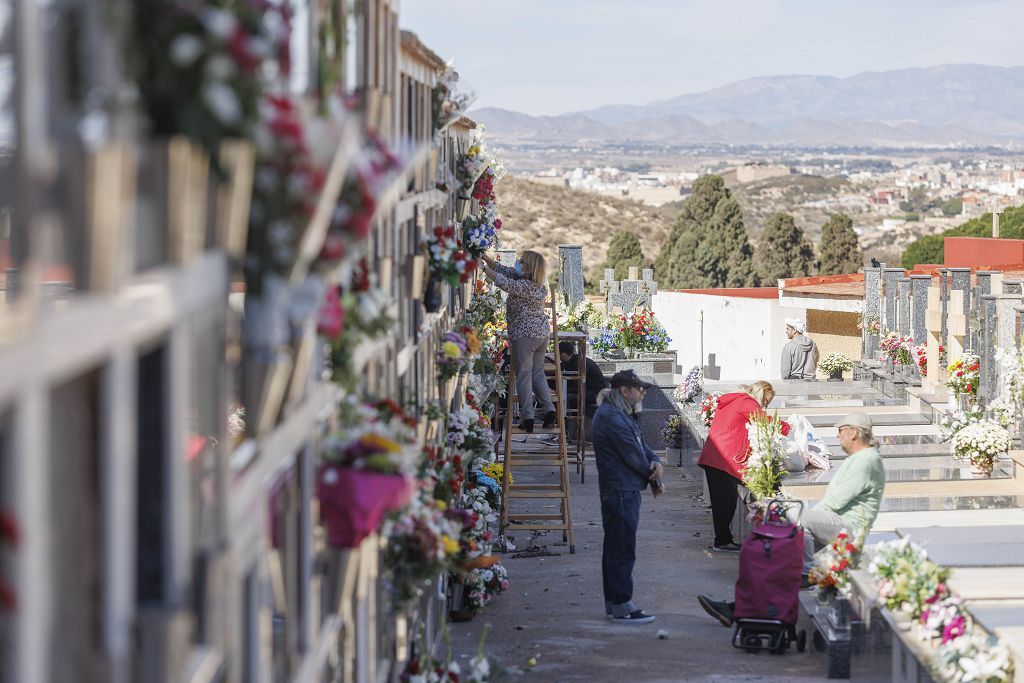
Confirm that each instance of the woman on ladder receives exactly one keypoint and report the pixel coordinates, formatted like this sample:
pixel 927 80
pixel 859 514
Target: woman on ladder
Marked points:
pixel 529 330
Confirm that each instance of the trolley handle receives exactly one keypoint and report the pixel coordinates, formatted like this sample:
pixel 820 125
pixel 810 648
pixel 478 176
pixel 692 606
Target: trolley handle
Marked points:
pixel 781 512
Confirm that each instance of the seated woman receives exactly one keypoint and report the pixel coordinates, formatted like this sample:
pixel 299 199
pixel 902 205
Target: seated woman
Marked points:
pixel 851 501
pixel 725 454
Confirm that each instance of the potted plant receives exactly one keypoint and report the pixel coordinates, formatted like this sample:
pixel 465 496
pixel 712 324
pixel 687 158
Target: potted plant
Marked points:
pixel 980 443
pixel 835 364
pixel 896 350
pixel 640 333
pixel 672 433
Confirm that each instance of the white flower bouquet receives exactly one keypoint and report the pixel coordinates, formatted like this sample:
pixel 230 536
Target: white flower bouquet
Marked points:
pixel 976 657
pixel 835 363
pixel 980 443
pixel 765 466
pixel 690 386
pixel 952 422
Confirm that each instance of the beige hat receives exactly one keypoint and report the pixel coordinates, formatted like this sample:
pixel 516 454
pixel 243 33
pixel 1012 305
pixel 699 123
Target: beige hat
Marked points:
pixel 855 420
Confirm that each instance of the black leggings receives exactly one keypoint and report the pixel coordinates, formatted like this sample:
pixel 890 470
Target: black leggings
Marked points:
pixel 724 496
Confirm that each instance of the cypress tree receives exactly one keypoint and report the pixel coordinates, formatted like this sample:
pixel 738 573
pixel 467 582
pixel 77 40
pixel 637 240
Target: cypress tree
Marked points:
pixel 840 251
pixel 784 251
pixel 624 251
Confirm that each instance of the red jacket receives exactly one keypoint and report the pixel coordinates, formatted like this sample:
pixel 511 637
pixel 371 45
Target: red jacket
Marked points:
pixel 727 446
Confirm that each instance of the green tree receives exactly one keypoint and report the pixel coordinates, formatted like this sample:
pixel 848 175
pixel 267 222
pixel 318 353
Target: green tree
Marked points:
pixel 784 251
pixel 708 245
pixel 624 251
pixel 953 207
pixel 840 251
pixel 929 249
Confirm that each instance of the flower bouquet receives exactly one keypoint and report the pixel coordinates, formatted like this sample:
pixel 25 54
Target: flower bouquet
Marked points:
pixel 469 431
pixel 690 386
pixel 871 325
pixel 980 443
pixel 642 332
pixel 582 317
pixel 672 432
pixel 448 260
pixel 447 102
pixel 896 349
pixel 907 580
pixel 474 162
pixel 835 364
pixel 953 421
pixel 830 571
pixel 963 375
pixel 480 232
pixel 422 543
pixel 604 342
pixel 484 584
pixel 451 356
pixel 483 190
pixel 974 657
pixel 765 465
pixel 708 408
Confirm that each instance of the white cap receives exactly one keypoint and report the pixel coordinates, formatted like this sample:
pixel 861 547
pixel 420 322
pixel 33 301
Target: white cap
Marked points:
pixel 797 324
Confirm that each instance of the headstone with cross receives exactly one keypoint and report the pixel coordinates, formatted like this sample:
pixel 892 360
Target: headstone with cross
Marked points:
pixel 935 324
pixel 956 325
pixel 624 297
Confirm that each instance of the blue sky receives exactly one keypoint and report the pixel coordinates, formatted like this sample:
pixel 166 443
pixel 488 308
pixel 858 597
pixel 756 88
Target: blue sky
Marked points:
pixel 554 56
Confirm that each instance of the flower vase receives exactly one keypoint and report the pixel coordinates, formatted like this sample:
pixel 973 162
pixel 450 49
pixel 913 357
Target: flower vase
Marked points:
pixel 353 502
pixel 963 402
pixel 674 455
pixel 458 610
pixel 432 295
pixel 839 614
pixel 983 466
pixel 836 375
pixel 823 598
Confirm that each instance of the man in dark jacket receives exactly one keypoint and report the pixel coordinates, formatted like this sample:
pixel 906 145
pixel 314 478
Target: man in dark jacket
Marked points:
pixel 595 381
pixel 625 467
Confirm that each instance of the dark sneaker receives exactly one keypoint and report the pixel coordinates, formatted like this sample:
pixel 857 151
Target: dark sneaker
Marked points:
pixel 549 419
pixel 719 610
pixel 637 617
pixel 526 426
pixel 727 548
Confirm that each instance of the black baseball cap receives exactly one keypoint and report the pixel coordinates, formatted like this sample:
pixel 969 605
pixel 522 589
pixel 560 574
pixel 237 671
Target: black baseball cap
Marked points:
pixel 628 378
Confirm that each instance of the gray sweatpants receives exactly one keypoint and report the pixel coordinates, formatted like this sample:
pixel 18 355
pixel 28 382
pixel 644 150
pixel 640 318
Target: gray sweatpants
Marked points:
pixel 531 384
pixel 820 529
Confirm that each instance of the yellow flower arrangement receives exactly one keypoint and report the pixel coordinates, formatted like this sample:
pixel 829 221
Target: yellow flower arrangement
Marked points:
pixel 451 350
pixel 451 546
pixel 495 470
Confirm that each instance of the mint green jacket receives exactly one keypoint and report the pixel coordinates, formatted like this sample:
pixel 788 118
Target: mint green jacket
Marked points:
pixel 855 492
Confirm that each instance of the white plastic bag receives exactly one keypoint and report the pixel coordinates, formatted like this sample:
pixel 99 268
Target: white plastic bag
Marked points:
pixel 803 448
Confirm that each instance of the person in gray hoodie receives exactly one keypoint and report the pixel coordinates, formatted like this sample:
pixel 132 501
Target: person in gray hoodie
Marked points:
pixel 800 354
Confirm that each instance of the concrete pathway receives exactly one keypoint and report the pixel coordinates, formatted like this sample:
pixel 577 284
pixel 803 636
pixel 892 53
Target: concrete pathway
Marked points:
pixel 554 611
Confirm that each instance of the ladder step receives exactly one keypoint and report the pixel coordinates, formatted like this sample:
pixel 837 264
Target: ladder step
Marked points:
pixel 536 463
pixel 536 494
pixel 541 527
pixel 552 515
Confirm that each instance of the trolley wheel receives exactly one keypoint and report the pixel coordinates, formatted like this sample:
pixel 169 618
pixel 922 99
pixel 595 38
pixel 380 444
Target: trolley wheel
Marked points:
pixel 819 642
pixel 752 642
pixel 783 645
pixel 801 641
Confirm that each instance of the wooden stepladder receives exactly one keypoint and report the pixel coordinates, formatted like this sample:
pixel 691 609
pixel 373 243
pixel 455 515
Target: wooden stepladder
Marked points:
pixel 525 459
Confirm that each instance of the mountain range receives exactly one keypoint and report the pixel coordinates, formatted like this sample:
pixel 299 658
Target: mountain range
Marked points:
pixel 961 104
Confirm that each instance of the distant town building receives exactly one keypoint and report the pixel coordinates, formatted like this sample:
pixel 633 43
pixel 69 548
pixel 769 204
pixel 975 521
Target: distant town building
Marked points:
pixel 749 173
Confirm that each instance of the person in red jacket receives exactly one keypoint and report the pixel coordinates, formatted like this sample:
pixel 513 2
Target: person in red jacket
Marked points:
pixel 725 455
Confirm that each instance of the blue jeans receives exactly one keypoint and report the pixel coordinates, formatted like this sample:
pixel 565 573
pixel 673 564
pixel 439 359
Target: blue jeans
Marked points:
pixel 620 516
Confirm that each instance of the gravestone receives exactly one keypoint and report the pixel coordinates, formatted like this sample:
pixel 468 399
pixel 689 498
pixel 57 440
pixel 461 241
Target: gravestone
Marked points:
pixel 987 348
pixel 570 273
pixel 872 310
pixel 890 278
pixel 960 280
pixel 1013 287
pixel 903 306
pixel 919 285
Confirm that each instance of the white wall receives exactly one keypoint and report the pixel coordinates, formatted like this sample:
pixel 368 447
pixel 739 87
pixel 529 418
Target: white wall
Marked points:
pixel 741 338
